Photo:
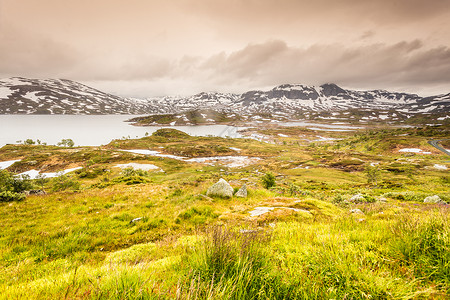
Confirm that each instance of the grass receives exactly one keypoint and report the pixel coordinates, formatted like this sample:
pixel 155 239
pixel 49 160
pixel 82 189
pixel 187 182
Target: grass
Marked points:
pixel 102 233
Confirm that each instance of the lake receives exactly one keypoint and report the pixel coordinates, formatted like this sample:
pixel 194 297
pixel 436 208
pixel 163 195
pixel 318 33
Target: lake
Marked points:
pixel 89 130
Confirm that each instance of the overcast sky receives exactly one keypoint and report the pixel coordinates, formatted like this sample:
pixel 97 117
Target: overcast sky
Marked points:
pixel 159 47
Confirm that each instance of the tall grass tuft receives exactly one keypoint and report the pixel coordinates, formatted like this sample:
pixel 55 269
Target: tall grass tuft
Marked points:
pixel 425 245
pixel 232 265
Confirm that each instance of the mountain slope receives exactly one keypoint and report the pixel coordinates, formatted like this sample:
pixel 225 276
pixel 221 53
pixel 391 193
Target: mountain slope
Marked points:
pixel 60 96
pixel 34 96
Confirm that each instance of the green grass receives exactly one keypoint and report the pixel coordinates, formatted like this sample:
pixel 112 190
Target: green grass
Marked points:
pixel 102 233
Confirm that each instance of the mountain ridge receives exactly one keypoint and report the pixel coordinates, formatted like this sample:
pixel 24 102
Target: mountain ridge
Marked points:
pixel 20 95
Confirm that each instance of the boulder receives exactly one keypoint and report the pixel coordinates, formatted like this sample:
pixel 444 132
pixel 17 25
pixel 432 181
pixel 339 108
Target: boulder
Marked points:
pixel 242 192
pixel 220 189
pixel 434 199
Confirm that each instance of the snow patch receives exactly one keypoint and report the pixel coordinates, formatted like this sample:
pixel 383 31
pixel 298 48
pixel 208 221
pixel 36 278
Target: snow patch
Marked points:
pixel 154 153
pixel 5 92
pixel 440 167
pixel 136 166
pixel 33 174
pixel 229 161
pixel 8 163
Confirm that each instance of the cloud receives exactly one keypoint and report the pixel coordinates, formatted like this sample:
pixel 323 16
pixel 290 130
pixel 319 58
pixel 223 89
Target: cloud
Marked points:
pixel 25 54
pixel 185 46
pixel 274 62
pixel 403 65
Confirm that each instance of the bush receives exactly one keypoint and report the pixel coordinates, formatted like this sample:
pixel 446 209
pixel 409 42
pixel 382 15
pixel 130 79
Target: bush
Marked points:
pixel 8 196
pixel 29 142
pixel 66 143
pixel 372 174
pixel 268 180
pixel 11 187
pixel 90 173
pixel 63 182
pixel 129 172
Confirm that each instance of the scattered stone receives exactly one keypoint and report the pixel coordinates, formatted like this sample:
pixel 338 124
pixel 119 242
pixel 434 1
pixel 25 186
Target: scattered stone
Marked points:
pixel 220 189
pixel 434 199
pixel 35 192
pixel 135 220
pixel 242 192
pixel 357 198
pixel 258 211
pixel 356 211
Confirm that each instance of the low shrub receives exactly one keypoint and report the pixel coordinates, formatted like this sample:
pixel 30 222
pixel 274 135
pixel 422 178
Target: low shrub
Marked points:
pixel 8 196
pixel 62 183
pixel 268 180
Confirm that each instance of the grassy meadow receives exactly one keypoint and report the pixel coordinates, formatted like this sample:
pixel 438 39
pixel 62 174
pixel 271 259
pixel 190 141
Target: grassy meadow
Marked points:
pixel 105 233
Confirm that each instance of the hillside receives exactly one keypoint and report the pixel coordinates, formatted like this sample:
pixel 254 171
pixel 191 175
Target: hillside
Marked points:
pixel 327 215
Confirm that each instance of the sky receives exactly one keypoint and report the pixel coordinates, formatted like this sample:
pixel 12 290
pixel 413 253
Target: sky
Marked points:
pixel 149 48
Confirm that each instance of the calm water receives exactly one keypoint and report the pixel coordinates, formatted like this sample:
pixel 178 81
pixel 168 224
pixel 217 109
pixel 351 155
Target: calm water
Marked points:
pixel 88 130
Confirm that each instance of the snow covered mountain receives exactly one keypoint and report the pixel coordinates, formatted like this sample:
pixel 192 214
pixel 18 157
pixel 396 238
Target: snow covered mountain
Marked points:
pixel 33 96
pixel 292 98
pixel 60 96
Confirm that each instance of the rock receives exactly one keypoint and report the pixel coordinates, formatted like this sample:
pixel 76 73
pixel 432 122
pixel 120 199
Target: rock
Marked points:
pixel 220 189
pixel 382 199
pixel 434 199
pixel 242 192
pixel 35 192
pixel 357 198
pixel 356 211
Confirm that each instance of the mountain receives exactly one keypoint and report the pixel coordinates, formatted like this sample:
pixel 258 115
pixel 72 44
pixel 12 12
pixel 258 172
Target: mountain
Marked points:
pixel 290 98
pixel 34 96
pixel 60 96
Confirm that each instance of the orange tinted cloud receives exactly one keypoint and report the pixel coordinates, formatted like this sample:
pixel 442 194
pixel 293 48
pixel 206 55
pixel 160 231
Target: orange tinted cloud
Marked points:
pixel 142 47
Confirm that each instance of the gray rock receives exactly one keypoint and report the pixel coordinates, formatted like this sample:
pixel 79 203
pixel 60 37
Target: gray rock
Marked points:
pixel 434 199
pixel 357 198
pixel 356 211
pixel 220 189
pixel 35 192
pixel 242 192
